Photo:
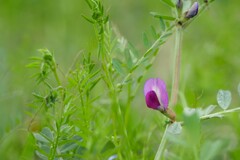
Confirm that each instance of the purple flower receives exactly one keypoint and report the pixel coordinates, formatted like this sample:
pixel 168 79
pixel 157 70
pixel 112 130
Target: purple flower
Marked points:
pixel 156 95
pixel 193 11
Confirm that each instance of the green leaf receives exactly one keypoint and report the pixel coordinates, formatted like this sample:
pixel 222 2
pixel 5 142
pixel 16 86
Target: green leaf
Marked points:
pixel 71 144
pixel 128 59
pixel 48 133
pixel 66 128
pixel 41 155
pixel 169 3
pixel 40 138
pixel 68 147
pixel 108 146
pixel 133 56
pixel 94 83
pixel 89 4
pixel 208 110
pixel 162 24
pixel 88 19
pixel 239 89
pixel 33 65
pixel 117 65
pixel 122 42
pixel 133 52
pixel 44 148
pixel 154 33
pixel 139 79
pixel 167 34
pixel 157 15
pixel 145 40
pixel 224 98
pixel 175 128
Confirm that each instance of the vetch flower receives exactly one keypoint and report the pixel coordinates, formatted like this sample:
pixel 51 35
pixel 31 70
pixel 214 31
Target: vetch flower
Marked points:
pixel 156 97
pixel 193 11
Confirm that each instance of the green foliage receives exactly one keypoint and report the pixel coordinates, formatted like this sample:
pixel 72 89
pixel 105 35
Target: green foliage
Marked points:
pixel 157 15
pixel 72 130
pixel 169 3
pixel 61 137
pixel 94 110
pixel 46 64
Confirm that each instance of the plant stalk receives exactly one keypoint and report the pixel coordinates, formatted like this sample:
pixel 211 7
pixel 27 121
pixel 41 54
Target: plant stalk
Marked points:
pixel 177 66
pixel 219 114
pixel 161 146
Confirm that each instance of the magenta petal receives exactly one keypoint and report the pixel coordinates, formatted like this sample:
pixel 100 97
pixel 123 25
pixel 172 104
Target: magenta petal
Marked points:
pixel 157 86
pixel 152 100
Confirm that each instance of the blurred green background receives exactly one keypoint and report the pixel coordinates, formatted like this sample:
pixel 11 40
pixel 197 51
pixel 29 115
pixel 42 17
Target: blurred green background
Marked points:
pixel 210 58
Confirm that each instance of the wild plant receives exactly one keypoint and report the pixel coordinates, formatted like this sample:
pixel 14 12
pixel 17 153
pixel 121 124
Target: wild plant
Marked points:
pixel 89 113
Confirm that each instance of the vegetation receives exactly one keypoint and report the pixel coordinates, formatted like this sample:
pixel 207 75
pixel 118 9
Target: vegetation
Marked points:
pixel 81 95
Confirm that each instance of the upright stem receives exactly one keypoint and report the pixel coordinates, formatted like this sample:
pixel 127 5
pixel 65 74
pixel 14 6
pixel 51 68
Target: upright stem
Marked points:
pixel 161 146
pixel 177 65
pixel 55 144
pixel 54 70
pixel 116 108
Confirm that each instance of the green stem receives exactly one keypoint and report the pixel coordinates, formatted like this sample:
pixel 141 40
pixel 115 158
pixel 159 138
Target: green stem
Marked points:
pixel 128 105
pixel 196 156
pixel 59 113
pixel 116 108
pixel 177 65
pixel 54 70
pixel 219 114
pixel 161 146
pixel 55 144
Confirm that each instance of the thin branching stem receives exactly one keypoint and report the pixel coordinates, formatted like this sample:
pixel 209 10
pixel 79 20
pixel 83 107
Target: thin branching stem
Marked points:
pixel 216 115
pixel 219 114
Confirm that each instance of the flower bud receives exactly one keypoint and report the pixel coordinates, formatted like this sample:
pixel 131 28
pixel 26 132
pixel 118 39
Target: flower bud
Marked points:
pixel 193 11
pixel 179 4
pixel 156 95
